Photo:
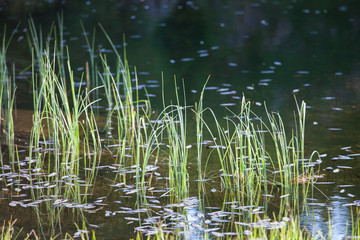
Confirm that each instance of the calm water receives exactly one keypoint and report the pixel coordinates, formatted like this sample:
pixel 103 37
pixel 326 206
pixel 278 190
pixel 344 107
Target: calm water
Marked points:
pixel 268 51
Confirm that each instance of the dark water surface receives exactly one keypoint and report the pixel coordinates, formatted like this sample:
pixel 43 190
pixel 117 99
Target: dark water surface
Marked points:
pixel 268 51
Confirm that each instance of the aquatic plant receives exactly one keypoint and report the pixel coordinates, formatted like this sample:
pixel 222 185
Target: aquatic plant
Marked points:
pixel 257 161
pixel 291 162
pixel 64 139
pixel 175 119
pixel 250 168
pixel 7 231
pixel 7 98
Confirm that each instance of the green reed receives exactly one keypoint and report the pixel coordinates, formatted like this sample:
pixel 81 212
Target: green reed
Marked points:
pixel 7 98
pixel 125 104
pixel 294 172
pixel 129 117
pixel 238 151
pixel 257 157
pixel 257 160
pixel 64 138
pixel 198 111
pixel 177 151
pixel 355 223
pixel 175 119
pixel 8 231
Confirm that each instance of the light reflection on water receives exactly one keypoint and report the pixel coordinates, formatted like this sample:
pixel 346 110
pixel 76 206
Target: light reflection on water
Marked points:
pixel 193 217
pixel 332 213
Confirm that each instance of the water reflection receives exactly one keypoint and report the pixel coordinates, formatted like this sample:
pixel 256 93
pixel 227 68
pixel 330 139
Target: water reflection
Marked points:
pixel 333 212
pixel 268 50
pixel 194 223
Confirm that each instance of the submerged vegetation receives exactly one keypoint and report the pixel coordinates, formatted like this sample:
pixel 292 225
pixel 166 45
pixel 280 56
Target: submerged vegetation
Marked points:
pixel 178 171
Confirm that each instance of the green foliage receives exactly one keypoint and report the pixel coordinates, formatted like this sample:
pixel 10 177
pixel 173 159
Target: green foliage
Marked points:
pixel 257 158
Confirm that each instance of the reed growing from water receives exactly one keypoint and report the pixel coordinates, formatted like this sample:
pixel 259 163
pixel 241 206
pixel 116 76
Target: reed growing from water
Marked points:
pixel 175 120
pixel 60 119
pixel 259 161
pixel 295 172
pixel 7 98
pixel 249 171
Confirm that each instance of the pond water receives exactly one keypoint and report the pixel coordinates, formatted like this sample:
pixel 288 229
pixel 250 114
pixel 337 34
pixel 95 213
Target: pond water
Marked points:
pixel 268 51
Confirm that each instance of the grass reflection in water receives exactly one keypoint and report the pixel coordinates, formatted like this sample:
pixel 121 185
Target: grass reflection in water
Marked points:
pixel 155 168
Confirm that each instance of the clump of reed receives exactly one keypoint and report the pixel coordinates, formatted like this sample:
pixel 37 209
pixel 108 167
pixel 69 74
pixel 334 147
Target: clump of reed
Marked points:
pixel 256 158
pixel 64 137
